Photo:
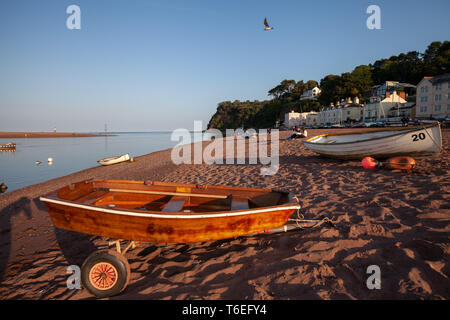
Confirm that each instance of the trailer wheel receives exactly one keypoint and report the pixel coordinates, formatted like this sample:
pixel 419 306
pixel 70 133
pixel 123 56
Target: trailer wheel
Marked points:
pixel 105 273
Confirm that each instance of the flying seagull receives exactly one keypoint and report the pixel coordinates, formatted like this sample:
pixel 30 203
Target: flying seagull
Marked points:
pixel 267 28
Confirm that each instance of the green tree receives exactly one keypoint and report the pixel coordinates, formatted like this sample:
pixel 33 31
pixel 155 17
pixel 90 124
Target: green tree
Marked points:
pixel 437 58
pixel 361 80
pixel 408 67
pixel 310 84
pixel 331 89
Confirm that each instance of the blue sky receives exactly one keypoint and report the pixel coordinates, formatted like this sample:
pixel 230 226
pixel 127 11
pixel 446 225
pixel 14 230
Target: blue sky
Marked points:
pixel 159 65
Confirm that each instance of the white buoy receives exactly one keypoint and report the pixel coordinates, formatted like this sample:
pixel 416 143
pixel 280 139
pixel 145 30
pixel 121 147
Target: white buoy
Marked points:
pixel 50 159
pixel 37 162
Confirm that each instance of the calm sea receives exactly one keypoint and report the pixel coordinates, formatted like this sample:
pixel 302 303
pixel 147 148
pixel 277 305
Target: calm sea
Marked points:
pixel 18 169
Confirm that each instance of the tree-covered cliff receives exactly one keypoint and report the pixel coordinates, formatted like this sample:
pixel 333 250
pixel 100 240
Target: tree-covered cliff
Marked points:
pixel 408 67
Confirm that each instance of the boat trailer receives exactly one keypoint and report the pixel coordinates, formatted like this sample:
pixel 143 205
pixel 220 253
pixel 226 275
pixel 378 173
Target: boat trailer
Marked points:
pixel 106 272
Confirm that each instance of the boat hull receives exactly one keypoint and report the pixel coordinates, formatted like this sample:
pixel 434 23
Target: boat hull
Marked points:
pixel 164 227
pixel 114 160
pixel 163 230
pixel 9 146
pixel 415 142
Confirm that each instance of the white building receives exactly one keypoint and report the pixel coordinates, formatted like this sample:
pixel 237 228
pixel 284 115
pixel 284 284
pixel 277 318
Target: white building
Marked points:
pixel 406 110
pixel 330 115
pixel 354 113
pixel 350 113
pixel 433 97
pixel 391 86
pixel 344 111
pixel 312 119
pixel 291 119
pixel 379 107
pixel 311 94
pixel 321 120
pixel 304 117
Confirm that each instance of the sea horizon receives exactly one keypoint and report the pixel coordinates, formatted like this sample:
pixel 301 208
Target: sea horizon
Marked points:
pixel 20 169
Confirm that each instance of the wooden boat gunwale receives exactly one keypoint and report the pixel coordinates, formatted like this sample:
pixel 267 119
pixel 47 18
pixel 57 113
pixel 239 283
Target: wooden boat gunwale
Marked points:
pixel 291 204
pixel 175 215
pixel 406 130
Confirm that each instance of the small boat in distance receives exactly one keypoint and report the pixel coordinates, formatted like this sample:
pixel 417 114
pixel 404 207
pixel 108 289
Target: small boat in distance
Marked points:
pixel 8 146
pixel 163 212
pixel 114 160
pixel 380 143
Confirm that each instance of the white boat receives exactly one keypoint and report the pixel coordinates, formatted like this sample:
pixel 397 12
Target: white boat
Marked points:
pixel 381 143
pixel 114 160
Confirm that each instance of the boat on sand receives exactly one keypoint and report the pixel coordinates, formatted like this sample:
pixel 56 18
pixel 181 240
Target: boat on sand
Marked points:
pixel 381 143
pixel 162 213
pixel 166 212
pixel 8 146
pixel 114 160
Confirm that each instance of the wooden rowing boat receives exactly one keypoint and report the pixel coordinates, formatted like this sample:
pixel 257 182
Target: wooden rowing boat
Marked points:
pixel 381 143
pixel 8 146
pixel 114 160
pixel 166 212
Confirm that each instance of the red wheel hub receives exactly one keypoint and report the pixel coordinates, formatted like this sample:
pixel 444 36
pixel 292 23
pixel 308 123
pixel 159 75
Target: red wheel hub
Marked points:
pixel 103 276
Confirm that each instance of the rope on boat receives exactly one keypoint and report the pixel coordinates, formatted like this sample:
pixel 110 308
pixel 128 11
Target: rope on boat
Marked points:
pixel 432 139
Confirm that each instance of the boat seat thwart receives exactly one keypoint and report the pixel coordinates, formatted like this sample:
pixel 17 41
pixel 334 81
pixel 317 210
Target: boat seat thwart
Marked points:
pixel 239 203
pixel 92 197
pixel 175 204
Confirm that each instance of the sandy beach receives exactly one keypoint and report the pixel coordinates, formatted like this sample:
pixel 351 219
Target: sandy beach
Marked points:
pixel 396 220
pixel 12 135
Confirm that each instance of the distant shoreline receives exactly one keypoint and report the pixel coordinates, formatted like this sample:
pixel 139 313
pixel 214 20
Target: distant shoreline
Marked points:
pixel 8 135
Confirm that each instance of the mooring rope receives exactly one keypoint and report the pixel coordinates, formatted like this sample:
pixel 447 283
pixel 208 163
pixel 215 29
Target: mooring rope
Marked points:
pixel 306 224
pixel 431 137
pixel 303 223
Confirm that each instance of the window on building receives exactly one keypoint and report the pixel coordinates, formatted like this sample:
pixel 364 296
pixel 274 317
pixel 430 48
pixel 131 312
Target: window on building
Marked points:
pixel 438 86
pixel 424 99
pixel 448 107
pixel 423 109
pixel 424 89
pixel 438 97
pixel 437 108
